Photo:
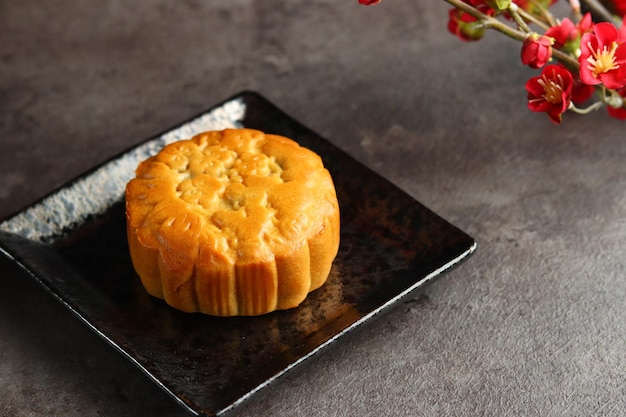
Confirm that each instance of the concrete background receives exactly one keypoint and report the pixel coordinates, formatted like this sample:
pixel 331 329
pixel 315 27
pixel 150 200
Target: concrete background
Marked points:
pixel 533 324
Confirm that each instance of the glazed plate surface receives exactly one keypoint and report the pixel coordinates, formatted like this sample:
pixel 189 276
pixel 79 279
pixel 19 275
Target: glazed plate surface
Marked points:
pixel 73 242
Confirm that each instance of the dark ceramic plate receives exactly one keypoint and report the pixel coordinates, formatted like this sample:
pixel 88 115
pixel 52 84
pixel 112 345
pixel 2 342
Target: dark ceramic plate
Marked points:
pixel 74 243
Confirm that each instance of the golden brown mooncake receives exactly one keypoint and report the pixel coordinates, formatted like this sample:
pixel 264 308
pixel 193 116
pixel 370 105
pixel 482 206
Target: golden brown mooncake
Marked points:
pixel 232 222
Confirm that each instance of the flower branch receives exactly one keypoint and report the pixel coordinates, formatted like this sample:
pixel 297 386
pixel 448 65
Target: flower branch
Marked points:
pixel 488 21
pixel 578 59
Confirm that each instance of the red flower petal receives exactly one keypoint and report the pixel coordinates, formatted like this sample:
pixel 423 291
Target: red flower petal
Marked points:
pixel 606 33
pixel 562 33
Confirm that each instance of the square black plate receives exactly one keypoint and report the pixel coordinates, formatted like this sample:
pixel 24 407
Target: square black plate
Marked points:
pixel 74 243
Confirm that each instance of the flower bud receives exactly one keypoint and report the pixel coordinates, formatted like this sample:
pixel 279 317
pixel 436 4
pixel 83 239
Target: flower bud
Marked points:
pixel 536 50
pixel 465 26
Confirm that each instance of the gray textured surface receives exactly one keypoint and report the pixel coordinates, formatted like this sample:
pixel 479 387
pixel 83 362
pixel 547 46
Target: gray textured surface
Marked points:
pixel 533 324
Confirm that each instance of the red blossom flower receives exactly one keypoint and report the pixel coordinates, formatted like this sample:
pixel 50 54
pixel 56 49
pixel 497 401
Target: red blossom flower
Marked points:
pixel 536 50
pixel 550 92
pixel 603 57
pixel 563 33
pixel 368 2
pixel 567 34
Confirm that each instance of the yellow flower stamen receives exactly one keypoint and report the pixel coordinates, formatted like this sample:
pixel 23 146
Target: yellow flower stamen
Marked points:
pixel 553 91
pixel 602 61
